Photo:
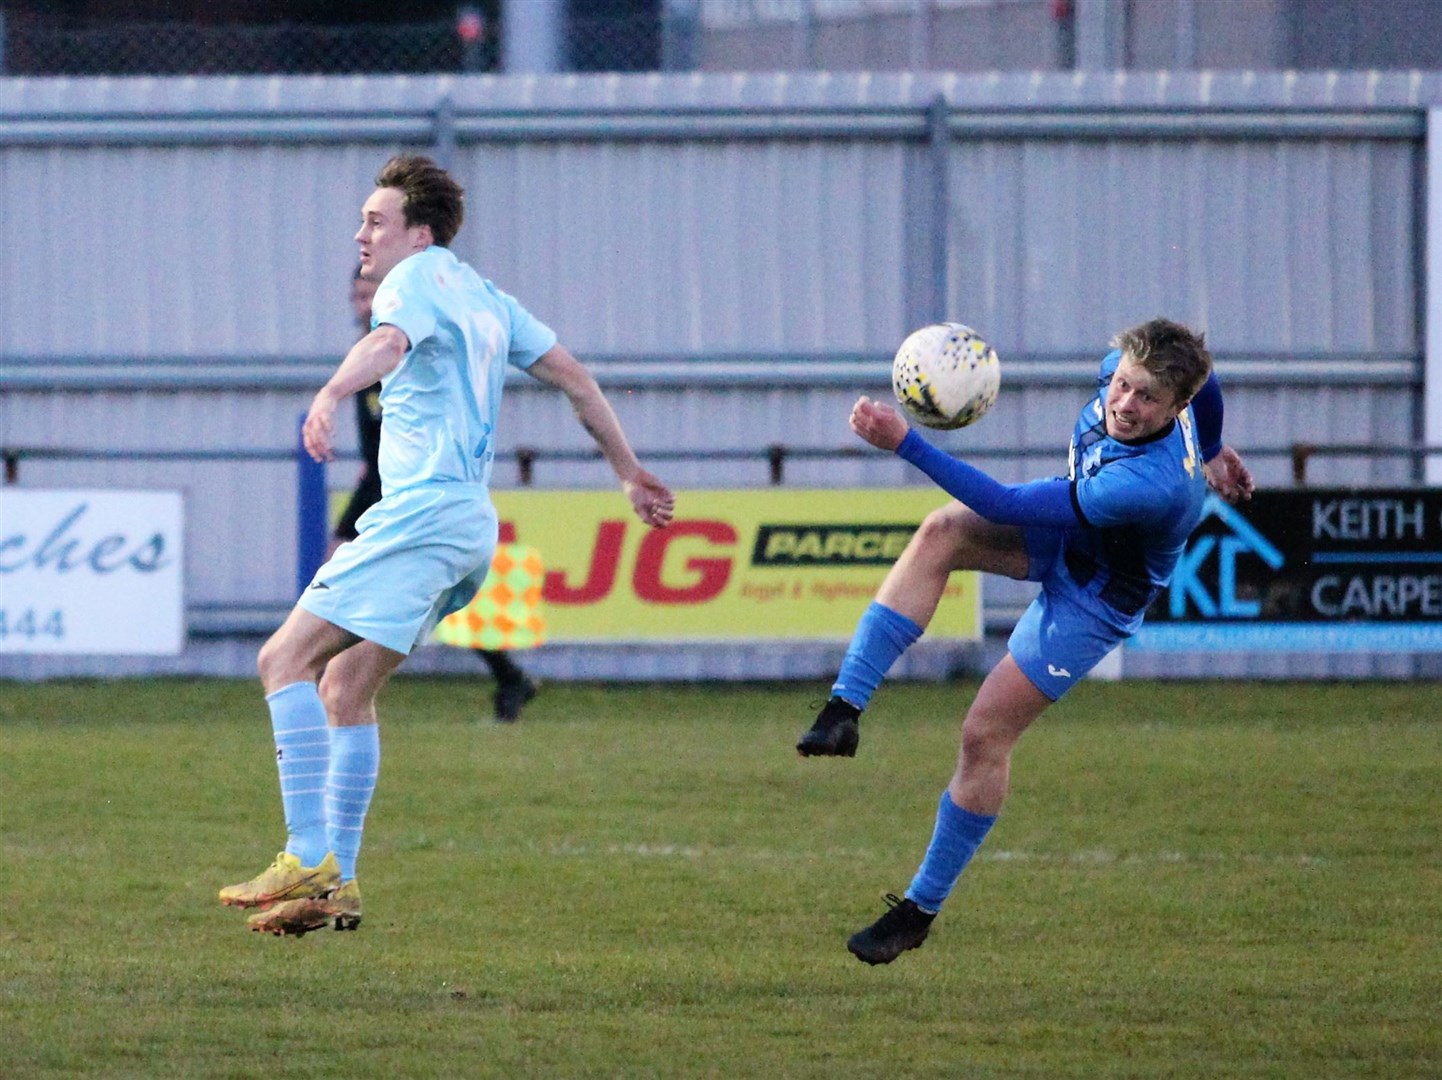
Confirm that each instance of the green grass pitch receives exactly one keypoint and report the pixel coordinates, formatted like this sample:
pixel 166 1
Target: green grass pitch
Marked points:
pixel 1212 880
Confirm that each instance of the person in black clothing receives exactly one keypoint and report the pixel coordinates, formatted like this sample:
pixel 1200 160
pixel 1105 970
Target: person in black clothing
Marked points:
pixel 513 686
pixel 368 424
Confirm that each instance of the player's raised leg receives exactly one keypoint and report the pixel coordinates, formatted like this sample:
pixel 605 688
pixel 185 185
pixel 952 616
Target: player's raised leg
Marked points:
pixel 951 538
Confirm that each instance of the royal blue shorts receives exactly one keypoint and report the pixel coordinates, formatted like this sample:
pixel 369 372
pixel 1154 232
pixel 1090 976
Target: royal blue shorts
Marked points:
pixel 419 555
pixel 1065 632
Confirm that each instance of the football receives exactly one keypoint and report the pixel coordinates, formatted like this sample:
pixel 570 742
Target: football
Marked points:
pixel 945 376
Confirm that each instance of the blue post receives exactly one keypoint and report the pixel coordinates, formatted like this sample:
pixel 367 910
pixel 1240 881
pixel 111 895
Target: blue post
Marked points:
pixel 310 518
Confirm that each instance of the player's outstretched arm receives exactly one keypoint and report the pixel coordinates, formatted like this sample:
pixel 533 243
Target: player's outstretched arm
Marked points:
pixel 1042 502
pixel 1229 477
pixel 652 500
pixel 370 358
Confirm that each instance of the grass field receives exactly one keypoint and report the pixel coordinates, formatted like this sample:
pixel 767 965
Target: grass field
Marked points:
pixel 1190 880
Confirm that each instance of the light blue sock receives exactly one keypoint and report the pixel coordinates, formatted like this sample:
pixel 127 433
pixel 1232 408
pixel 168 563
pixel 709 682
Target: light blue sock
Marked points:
pixel 881 636
pixel 958 834
pixel 355 760
pixel 302 754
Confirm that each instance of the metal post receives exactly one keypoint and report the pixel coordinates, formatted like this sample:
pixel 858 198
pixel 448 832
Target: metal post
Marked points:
pixel 311 517
pixel 1301 454
pixel 445 133
pixel 938 139
pixel 921 35
pixel 1432 300
pixel 1101 34
pixel 1186 54
pixel 776 460
pixel 471 28
pixel 680 34
pixel 1063 13
pixel 533 37
pixel 803 44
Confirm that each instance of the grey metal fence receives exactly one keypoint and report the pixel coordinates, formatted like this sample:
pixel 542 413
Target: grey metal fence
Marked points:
pixel 30 46
pixel 180 48
pixel 734 255
pixel 742 35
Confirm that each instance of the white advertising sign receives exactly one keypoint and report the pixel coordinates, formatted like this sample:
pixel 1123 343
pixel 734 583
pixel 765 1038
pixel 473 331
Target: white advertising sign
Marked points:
pixel 96 572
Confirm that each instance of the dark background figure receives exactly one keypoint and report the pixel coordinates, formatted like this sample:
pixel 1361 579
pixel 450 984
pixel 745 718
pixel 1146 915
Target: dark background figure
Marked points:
pixel 513 686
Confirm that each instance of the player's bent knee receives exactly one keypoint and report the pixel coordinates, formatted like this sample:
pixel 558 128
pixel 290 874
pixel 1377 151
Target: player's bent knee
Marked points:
pixel 333 694
pixel 955 538
pixel 268 665
pixel 279 665
pixel 345 701
pixel 941 534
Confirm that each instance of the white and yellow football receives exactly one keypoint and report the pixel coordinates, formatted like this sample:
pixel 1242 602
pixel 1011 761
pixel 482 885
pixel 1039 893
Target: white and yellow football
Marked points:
pixel 945 376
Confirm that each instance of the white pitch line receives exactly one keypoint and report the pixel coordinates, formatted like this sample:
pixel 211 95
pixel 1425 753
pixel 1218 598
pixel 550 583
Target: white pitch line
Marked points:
pixel 1089 857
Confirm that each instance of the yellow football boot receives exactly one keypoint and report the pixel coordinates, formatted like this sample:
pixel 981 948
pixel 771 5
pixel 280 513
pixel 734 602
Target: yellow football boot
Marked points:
pixel 294 918
pixel 284 879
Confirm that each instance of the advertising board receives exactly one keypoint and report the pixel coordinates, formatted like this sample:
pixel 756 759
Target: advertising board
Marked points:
pixel 91 572
pixel 1326 570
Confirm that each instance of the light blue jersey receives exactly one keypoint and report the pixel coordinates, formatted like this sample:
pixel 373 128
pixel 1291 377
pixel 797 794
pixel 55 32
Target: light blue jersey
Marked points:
pixel 422 551
pixel 441 403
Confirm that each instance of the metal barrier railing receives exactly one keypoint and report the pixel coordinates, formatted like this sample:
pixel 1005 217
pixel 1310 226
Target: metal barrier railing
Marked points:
pixel 775 457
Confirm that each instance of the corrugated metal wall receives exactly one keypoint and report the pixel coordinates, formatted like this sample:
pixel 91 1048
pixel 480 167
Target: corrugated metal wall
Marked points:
pixel 737 255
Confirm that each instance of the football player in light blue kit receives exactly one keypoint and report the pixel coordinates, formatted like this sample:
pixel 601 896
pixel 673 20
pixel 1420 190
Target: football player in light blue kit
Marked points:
pixel 441 342
pixel 1103 543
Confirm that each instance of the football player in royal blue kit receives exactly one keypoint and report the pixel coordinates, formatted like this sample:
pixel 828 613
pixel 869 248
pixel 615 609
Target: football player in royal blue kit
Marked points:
pixel 441 341
pixel 1102 542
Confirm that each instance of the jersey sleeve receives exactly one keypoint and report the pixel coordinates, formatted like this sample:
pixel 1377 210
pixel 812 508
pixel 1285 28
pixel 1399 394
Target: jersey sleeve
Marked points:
pixel 400 302
pixel 1207 408
pixel 1040 502
pixel 530 337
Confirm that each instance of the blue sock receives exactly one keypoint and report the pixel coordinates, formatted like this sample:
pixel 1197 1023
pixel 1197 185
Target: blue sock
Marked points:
pixel 881 636
pixel 302 754
pixel 355 760
pixel 958 834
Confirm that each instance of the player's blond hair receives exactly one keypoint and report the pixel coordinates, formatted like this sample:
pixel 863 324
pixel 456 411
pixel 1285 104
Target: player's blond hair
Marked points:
pixel 1173 354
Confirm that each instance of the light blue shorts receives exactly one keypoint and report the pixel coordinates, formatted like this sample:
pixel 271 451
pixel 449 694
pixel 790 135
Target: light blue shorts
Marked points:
pixel 421 554
pixel 1062 635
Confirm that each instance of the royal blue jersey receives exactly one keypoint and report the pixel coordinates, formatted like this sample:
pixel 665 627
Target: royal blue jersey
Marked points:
pixel 1124 511
pixel 1139 501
